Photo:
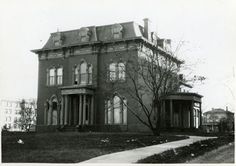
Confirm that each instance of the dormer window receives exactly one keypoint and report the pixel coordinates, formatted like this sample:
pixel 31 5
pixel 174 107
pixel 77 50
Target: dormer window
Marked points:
pixel 57 39
pixel 117 30
pixel 84 34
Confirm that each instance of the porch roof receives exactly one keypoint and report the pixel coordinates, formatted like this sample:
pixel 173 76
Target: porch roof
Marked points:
pixel 184 96
pixel 77 89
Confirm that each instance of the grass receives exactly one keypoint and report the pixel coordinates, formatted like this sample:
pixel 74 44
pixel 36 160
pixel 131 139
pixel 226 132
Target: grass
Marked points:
pixel 183 154
pixel 71 147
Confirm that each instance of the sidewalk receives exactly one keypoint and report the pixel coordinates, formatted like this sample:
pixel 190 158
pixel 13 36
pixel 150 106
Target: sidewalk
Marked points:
pixel 132 156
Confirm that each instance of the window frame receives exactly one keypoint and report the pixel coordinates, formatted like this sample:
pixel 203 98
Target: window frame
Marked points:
pixel 117 74
pixel 111 112
pixel 52 77
pixel 59 77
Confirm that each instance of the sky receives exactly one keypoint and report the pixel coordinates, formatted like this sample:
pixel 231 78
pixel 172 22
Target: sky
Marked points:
pixel 206 30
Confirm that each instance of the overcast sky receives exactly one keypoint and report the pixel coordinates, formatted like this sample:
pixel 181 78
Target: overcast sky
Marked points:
pixel 206 27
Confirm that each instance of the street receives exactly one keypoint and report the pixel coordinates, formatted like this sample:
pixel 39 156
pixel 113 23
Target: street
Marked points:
pixel 224 154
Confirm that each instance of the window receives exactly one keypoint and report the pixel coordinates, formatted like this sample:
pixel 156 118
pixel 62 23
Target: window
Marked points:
pixel 59 76
pixel 76 75
pixel 90 71
pixel 117 31
pixel 55 76
pixel 52 76
pixel 83 73
pixel 112 69
pixel 116 111
pixel 84 34
pixel 121 71
pixel 57 38
pixel 117 71
pixel 51 110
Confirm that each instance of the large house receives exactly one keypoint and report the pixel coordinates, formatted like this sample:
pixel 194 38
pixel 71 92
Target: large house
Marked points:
pixel 218 120
pixel 77 67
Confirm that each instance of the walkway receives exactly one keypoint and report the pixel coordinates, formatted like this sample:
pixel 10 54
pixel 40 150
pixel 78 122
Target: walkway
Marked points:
pixel 132 156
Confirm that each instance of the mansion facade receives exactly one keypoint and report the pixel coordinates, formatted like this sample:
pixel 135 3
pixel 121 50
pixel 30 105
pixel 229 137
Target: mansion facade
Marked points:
pixel 78 69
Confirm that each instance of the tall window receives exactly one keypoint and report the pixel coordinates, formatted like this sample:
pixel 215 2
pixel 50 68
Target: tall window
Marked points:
pixel 83 73
pixel 90 77
pixel 55 76
pixel 121 71
pixel 117 71
pixel 52 76
pixel 116 111
pixel 112 70
pixel 59 76
pixel 76 75
pixel 54 112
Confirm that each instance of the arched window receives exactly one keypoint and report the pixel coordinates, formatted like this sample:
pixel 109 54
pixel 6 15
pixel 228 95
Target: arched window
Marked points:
pixel 83 73
pixel 90 72
pixel 124 111
pixel 76 75
pixel 49 115
pixel 59 76
pixel 52 76
pixel 121 71
pixel 109 112
pixel 46 109
pixel 112 70
pixel 116 111
pixel 54 112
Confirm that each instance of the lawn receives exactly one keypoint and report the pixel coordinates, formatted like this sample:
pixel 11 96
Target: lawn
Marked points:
pixel 184 154
pixel 71 147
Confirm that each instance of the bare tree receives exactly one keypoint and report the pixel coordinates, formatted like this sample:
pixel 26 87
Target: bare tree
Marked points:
pixel 27 115
pixel 149 78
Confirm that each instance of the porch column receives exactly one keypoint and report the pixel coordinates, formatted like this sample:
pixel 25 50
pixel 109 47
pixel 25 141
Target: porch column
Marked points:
pixel 171 113
pixel 191 115
pixel 51 113
pixel 180 115
pixel 200 116
pixel 80 109
pixel 69 110
pixel 164 114
pixel 84 109
pixel 75 106
pixel 58 113
pixel 62 110
pixel 66 110
pixel 92 109
pixel 45 112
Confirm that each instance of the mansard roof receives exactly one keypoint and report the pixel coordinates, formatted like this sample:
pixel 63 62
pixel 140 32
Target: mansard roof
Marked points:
pixel 98 34
pixel 104 34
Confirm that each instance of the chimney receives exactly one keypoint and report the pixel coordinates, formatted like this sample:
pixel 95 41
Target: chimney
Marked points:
pixel 146 28
pixel 226 108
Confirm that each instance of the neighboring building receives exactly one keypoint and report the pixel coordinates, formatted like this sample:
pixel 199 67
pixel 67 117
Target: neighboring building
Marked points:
pixel 76 66
pixel 10 114
pixel 218 120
